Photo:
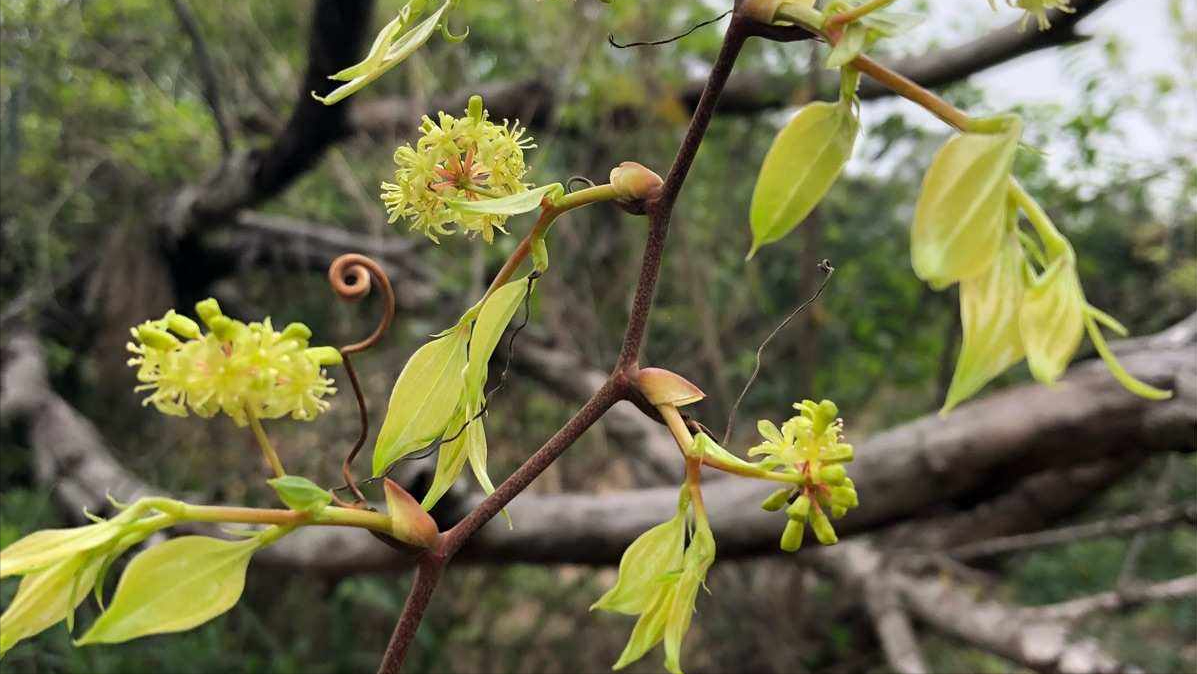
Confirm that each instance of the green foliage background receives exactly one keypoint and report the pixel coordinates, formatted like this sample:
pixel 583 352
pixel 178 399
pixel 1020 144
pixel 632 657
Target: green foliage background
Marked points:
pixel 101 113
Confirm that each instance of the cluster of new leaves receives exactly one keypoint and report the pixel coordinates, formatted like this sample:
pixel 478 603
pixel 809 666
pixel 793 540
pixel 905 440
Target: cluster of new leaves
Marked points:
pixel 1019 291
pixel 170 587
pixel 1020 294
pixel 398 40
pixel 659 577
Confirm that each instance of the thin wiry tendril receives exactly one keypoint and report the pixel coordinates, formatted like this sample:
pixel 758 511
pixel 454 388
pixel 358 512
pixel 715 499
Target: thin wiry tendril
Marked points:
pixel 826 268
pixel 350 276
pixel 654 43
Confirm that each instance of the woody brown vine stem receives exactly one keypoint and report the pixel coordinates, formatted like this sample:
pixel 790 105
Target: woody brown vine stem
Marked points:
pixel 618 386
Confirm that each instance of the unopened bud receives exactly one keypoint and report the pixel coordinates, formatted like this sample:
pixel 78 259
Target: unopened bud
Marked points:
pixel 822 527
pixel 224 328
pixel 474 108
pixel 182 326
pixel 208 310
pixel 156 339
pixel 635 182
pixel 799 509
pixel 834 474
pixel 297 332
pixel 662 387
pixel 791 538
pixel 324 355
pixel 844 496
pixel 776 500
pixel 409 522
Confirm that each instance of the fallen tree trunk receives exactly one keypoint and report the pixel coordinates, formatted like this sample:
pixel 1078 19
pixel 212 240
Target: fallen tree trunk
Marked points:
pixel 928 468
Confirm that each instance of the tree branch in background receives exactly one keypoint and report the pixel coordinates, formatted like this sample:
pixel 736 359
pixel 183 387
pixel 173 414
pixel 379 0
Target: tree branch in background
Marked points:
pixel 1086 422
pixel 1118 526
pixel 337 31
pixel 209 82
pixel 746 93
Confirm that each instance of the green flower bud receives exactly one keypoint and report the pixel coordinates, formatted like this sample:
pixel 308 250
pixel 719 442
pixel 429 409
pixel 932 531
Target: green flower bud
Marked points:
pixel 776 500
pixel 324 355
pixel 844 496
pixel 833 474
pixel 156 338
pixel 822 527
pixel 791 537
pixel 297 332
pixel 207 310
pixel 181 325
pixel 799 509
pixel 225 328
pixel 841 452
pixel 474 108
pixel 838 511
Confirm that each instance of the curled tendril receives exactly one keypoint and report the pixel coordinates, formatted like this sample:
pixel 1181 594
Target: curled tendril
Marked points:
pixel 351 276
pixel 569 185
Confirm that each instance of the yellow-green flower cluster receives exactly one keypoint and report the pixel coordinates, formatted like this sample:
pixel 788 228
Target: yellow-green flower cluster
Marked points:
pixel 234 368
pixel 1038 9
pixel 811 446
pixel 457 159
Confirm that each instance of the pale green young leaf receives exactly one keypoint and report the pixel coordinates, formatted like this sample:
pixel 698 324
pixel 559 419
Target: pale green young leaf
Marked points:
pixel 378 50
pixel 849 46
pixel 395 54
pixel 961 211
pixel 707 448
pixel 45 598
pixel 802 164
pixel 889 24
pixel 656 552
pixel 1051 320
pixel 300 493
pixel 174 586
pixel 514 204
pixel 426 395
pixel 450 459
pixel 1142 389
pixel 700 554
pixel 989 310
pixel 492 320
pixel 40 549
pixel 650 628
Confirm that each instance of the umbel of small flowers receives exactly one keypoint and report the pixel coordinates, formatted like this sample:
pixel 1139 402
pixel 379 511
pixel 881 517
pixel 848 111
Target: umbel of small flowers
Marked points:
pixel 457 160
pixel 811 447
pixel 236 368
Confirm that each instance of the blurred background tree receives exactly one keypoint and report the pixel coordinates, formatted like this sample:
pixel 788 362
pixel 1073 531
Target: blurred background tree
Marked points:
pixel 141 146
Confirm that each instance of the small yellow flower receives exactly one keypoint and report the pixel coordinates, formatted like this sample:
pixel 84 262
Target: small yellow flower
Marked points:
pixel 468 158
pixel 1038 9
pixel 811 446
pixel 235 368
